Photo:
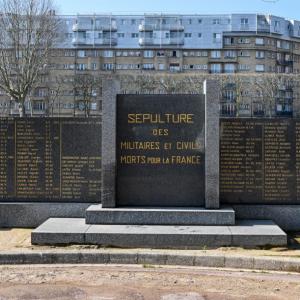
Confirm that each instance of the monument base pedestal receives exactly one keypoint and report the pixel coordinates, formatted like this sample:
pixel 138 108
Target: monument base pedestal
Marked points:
pixel 75 231
pixel 96 214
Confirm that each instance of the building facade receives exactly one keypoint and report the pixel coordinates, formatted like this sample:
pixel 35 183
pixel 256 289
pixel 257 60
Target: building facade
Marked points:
pixel 159 44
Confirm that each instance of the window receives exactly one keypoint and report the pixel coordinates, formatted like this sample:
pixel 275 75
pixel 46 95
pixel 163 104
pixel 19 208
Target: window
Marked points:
pixel 108 66
pixel 133 22
pixel 81 67
pixel 81 53
pixel 93 106
pixel 216 21
pixel 94 66
pixel 199 35
pixel 174 67
pixel 243 67
pixel 39 105
pixel 260 54
pixel 148 66
pixel 70 53
pixel 260 68
pixel 217 37
pixel 277 25
pixel 259 41
pixel 278 44
pixel 175 53
pixel 230 54
pixel 244 53
pixel 160 53
pixel 229 41
pixel 161 67
pixel 121 35
pixel 244 21
pixel 148 53
pixel 108 53
pixel 190 21
pixel 215 68
pixel 134 35
pixel 199 21
pixel 229 68
pixel 187 35
pixel 215 54
pixel 243 40
pixel 167 35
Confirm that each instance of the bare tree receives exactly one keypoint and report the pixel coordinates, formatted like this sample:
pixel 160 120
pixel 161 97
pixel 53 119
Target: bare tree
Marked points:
pixel 86 90
pixel 54 93
pixel 28 32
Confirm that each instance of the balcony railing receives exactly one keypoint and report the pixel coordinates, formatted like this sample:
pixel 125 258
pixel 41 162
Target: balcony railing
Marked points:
pixel 244 27
pixel 163 27
pixel 87 26
pixel 263 27
pixel 90 41
pixel 285 62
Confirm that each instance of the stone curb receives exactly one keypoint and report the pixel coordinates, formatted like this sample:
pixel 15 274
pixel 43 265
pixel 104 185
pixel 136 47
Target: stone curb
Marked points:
pixel 105 257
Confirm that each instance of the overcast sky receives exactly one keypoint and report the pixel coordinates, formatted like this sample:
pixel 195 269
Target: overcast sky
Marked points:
pixel 287 8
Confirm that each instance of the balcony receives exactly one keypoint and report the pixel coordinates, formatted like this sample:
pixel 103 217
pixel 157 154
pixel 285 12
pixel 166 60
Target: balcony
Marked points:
pixel 89 27
pixel 161 27
pixel 263 28
pixel 106 41
pixel 244 27
pixel 284 62
pixel 167 42
pixel 90 41
pixel 79 41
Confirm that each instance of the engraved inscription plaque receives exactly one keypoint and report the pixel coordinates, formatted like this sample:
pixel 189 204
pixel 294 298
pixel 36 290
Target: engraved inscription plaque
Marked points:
pixel 50 159
pixel 259 161
pixel 160 150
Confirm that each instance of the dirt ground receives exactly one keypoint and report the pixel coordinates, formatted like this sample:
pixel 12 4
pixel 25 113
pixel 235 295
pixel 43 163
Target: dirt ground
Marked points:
pixel 15 240
pixel 124 282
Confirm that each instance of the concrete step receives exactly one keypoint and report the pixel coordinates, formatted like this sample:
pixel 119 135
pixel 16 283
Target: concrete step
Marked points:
pixel 246 233
pixel 95 214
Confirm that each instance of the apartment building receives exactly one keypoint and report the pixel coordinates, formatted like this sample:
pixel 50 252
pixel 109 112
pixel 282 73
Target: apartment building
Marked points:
pixel 158 43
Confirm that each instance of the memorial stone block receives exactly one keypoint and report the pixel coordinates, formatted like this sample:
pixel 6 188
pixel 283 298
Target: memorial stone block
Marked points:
pixel 160 150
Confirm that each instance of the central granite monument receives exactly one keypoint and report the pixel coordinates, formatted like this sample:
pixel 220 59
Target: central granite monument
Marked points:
pixel 160 179
pixel 157 151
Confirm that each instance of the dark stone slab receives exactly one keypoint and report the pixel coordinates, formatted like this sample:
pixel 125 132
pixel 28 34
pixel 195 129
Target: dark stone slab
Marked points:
pixel 260 161
pixel 50 160
pixel 95 214
pixel 160 150
pixel 286 216
pixel 31 215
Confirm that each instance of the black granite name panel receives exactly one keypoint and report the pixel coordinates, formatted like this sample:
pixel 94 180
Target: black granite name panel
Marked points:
pixel 160 150
pixel 50 159
pixel 260 161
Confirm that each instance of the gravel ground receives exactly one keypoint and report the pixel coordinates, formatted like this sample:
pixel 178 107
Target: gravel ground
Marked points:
pixel 124 282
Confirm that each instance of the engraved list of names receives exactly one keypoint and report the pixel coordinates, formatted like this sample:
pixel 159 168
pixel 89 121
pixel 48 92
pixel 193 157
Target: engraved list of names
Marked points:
pixel 259 161
pixel 50 159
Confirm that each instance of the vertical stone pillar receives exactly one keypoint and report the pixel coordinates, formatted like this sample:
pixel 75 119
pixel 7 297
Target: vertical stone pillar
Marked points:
pixel 212 93
pixel 110 89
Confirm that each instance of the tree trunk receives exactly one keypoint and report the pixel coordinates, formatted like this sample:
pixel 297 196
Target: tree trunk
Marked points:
pixel 22 110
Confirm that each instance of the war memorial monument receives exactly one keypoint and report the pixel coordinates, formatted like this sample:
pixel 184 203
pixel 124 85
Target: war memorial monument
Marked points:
pixel 160 171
